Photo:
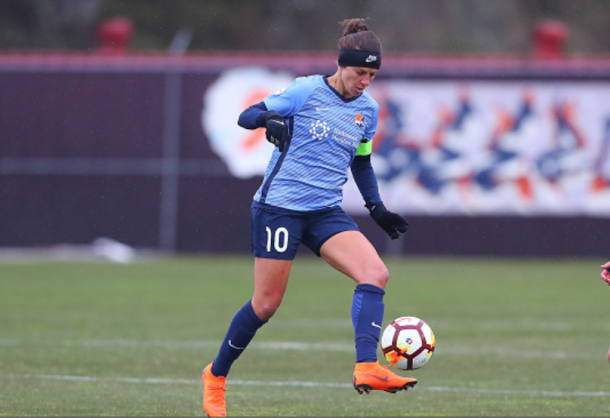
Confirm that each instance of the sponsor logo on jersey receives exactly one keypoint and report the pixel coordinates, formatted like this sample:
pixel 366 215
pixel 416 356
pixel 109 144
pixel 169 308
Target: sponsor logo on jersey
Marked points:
pixel 345 137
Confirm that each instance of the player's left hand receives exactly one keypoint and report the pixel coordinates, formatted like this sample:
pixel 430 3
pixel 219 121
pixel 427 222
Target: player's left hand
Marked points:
pixel 392 223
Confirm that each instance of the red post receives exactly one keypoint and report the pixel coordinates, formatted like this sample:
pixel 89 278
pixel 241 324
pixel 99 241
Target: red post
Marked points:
pixel 114 35
pixel 549 39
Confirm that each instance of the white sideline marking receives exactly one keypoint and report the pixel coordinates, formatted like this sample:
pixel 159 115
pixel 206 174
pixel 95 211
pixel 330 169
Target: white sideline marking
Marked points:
pixel 300 384
pixel 302 346
pixel 268 345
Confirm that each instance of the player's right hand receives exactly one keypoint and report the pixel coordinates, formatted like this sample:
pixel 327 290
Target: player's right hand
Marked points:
pixel 277 129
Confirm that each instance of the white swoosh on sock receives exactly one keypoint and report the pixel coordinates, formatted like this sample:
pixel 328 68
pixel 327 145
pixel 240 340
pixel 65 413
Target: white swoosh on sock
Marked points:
pixel 240 348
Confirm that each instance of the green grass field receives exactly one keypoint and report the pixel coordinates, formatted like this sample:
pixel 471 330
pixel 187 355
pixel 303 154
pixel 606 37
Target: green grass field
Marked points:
pixel 514 338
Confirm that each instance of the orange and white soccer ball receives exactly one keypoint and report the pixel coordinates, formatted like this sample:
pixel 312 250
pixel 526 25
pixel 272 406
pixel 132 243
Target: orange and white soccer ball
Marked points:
pixel 408 343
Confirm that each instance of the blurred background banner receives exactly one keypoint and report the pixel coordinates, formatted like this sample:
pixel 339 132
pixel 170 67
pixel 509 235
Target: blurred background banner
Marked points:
pixel 443 147
pixel 500 147
pixel 492 152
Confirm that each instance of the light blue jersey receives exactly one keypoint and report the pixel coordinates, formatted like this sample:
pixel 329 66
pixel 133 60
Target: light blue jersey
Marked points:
pixel 326 131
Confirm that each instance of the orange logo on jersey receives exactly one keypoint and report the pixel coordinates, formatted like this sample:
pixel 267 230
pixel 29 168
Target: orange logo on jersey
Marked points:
pixel 359 120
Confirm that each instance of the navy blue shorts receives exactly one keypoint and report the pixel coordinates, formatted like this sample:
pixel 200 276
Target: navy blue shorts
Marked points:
pixel 277 232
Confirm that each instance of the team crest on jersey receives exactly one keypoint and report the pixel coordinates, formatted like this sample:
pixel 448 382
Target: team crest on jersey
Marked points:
pixel 359 120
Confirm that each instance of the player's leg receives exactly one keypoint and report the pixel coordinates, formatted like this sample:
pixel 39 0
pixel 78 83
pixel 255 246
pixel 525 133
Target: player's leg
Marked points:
pixel 334 236
pixel 270 281
pixel 352 254
pixel 271 271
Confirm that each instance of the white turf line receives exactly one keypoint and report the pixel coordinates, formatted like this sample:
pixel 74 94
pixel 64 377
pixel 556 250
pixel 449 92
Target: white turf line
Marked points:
pixel 298 383
pixel 298 346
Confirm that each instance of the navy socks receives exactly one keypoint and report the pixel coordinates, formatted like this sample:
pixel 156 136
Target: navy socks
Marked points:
pixel 367 317
pixel 244 325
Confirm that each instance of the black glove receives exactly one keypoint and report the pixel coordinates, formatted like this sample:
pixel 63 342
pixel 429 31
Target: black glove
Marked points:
pixel 392 223
pixel 277 130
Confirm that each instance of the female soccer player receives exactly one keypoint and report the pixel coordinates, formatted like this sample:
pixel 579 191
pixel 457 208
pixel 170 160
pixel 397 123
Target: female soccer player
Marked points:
pixel 321 126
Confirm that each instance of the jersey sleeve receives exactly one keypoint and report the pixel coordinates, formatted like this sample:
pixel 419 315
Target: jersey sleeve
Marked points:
pixel 362 170
pixel 253 117
pixel 366 145
pixel 371 127
pixel 365 179
pixel 288 102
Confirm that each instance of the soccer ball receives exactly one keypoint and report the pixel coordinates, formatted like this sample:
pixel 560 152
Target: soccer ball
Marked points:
pixel 408 343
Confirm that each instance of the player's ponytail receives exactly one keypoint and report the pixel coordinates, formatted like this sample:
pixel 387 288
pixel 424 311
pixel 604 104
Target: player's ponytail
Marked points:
pixel 356 35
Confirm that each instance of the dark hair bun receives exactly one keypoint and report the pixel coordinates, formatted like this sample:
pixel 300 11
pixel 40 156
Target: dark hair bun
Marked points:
pixel 356 35
pixel 354 26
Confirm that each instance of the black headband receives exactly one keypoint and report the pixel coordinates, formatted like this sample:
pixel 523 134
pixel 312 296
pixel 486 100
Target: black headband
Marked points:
pixel 359 58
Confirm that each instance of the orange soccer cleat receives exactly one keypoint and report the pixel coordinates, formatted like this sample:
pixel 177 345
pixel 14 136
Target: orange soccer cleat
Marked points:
pixel 214 390
pixel 373 376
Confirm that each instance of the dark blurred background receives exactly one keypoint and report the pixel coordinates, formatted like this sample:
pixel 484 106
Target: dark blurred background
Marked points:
pixel 437 26
pixel 107 110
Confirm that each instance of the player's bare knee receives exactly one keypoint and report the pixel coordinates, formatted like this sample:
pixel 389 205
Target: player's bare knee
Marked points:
pixel 267 312
pixel 266 307
pixel 376 275
pixel 382 276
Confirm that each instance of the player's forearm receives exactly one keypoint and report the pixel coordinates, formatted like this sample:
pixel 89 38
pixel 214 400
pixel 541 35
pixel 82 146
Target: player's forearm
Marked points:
pixel 365 179
pixel 253 117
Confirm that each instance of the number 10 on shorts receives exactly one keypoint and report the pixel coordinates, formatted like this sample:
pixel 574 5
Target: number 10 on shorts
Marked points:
pixel 279 239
